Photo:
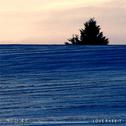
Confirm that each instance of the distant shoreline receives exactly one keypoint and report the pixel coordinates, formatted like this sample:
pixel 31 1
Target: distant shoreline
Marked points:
pixel 59 45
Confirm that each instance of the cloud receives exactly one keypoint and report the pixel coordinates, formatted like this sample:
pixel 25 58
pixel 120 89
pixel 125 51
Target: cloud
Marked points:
pixel 37 5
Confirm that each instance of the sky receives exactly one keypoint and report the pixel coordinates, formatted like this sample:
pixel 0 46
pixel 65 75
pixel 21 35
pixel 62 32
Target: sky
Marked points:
pixel 54 21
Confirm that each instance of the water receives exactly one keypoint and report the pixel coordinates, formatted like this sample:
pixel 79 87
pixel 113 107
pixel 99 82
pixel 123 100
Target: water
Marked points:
pixel 62 85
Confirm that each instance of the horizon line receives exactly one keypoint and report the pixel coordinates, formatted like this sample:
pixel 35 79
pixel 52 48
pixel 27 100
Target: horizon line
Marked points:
pixel 37 44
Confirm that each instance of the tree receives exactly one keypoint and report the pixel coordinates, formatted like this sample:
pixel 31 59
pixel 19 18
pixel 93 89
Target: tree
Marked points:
pixel 90 35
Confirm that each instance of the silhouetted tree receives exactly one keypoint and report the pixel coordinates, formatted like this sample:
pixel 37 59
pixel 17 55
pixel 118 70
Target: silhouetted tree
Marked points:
pixel 74 40
pixel 90 35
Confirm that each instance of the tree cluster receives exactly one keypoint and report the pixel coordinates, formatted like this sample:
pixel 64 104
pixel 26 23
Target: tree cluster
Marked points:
pixel 90 35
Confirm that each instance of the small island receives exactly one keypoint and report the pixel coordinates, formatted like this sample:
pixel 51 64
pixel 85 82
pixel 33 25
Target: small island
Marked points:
pixel 90 35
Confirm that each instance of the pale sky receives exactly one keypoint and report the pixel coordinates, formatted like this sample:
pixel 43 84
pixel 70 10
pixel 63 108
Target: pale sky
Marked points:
pixel 54 21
